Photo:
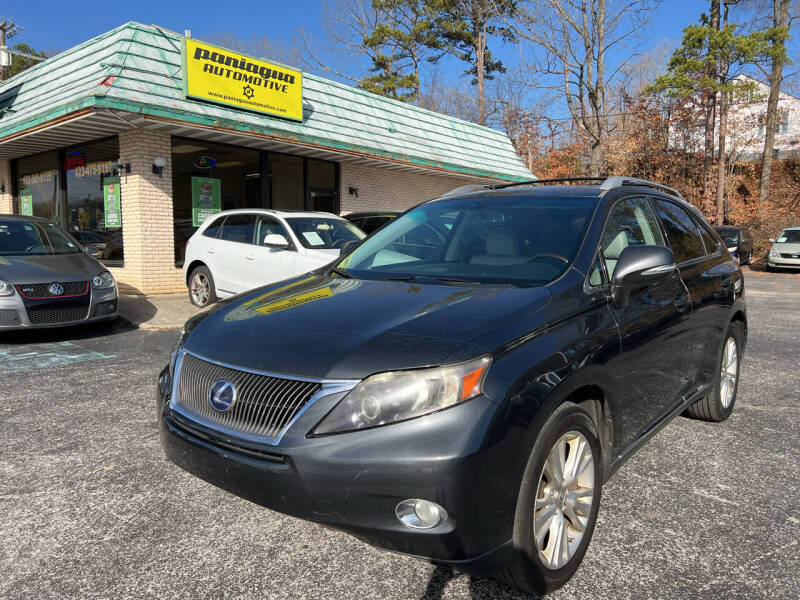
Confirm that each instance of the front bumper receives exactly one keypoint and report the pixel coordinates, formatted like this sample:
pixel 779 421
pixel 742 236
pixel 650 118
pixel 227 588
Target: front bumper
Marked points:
pixel 354 481
pixel 783 263
pixel 103 305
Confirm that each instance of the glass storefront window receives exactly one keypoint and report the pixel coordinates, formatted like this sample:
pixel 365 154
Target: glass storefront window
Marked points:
pixel 38 185
pixel 87 168
pixel 286 174
pixel 321 185
pixel 232 172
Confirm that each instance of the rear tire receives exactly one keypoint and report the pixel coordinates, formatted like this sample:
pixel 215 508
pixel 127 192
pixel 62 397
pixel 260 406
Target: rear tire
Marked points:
pixel 718 405
pixel 201 287
pixel 555 516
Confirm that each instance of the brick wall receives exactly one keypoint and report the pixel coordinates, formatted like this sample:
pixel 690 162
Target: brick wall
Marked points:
pixel 381 188
pixel 6 199
pixel 147 217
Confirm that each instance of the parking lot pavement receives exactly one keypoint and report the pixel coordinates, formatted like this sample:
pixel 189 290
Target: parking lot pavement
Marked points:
pixel 89 508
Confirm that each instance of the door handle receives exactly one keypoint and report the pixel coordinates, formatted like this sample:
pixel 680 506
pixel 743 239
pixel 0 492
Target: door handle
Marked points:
pixel 250 257
pixel 211 251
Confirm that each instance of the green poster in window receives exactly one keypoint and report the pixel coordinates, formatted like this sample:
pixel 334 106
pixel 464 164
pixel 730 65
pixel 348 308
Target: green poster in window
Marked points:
pixel 26 203
pixel 206 198
pixel 111 203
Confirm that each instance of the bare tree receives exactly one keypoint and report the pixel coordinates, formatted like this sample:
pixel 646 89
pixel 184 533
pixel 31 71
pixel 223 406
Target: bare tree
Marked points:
pixel 343 50
pixel 777 36
pixel 572 42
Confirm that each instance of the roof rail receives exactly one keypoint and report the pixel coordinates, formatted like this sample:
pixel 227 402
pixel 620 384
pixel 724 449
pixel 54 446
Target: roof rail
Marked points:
pixel 619 180
pixel 465 189
pixel 500 186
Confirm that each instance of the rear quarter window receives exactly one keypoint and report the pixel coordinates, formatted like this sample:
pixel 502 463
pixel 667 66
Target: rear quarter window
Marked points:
pixel 213 229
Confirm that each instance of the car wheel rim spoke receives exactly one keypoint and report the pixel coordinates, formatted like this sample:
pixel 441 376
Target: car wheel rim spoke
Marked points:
pixel 564 499
pixel 729 371
pixel 200 289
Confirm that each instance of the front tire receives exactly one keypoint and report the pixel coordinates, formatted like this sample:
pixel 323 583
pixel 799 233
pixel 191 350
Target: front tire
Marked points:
pixel 201 287
pixel 557 504
pixel 718 405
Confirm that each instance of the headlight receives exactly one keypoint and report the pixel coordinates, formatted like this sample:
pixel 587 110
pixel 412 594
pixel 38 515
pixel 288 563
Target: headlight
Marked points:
pixel 102 281
pixel 400 395
pixel 6 289
pixel 176 349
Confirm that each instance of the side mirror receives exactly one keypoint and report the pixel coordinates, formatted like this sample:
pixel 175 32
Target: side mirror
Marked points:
pixel 639 265
pixel 276 240
pixel 92 251
pixel 348 246
pixel 771 240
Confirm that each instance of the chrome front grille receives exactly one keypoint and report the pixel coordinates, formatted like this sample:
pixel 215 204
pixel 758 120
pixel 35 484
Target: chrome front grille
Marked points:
pixel 264 405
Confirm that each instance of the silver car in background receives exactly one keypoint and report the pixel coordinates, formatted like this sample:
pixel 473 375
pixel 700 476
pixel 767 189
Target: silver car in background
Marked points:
pixel 48 279
pixel 785 251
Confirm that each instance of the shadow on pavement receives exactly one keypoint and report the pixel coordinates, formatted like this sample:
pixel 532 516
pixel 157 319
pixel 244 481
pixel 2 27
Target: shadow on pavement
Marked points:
pixel 63 334
pixel 479 588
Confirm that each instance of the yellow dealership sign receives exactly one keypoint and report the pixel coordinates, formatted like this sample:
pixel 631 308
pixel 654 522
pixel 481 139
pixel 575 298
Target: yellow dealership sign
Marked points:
pixel 218 75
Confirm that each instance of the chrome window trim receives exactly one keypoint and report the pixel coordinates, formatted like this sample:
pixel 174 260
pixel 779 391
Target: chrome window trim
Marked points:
pixel 329 387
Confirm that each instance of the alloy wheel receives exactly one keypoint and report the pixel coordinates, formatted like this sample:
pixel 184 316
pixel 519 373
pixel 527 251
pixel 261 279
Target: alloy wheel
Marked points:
pixel 564 499
pixel 200 289
pixel 729 372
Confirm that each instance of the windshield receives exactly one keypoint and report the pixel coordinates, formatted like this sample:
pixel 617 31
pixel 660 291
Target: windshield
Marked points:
pixel 729 236
pixel 789 236
pixel 23 238
pixel 511 240
pixel 323 233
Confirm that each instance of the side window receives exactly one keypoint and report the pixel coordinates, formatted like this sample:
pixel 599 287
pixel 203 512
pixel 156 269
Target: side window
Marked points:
pixel 238 228
pixel 631 223
pixel 596 274
pixel 709 239
pixel 213 229
pixel 266 225
pixel 374 223
pixel 681 231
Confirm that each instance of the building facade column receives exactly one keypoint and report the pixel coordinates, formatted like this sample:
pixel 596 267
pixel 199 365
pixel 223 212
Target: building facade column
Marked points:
pixel 6 197
pixel 147 214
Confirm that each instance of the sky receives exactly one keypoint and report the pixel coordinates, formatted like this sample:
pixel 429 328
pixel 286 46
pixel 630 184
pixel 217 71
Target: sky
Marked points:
pixel 55 25
pixel 58 25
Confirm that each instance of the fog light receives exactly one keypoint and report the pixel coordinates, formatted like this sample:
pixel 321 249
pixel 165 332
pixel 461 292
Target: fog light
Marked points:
pixel 420 514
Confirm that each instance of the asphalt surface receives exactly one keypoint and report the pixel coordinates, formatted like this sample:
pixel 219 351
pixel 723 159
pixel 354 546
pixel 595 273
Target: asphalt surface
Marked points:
pixel 89 507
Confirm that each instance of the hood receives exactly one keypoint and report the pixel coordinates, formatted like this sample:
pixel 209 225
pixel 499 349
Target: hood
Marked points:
pixel 47 268
pixel 787 247
pixel 330 327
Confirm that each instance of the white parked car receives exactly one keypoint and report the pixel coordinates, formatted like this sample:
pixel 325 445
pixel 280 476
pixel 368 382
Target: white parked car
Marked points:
pixel 238 250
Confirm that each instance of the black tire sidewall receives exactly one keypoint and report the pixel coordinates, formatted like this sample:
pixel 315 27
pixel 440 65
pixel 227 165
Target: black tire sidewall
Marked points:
pixel 212 291
pixel 527 564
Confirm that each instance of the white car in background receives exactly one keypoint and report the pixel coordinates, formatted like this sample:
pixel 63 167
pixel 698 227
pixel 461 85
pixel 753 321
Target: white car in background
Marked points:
pixel 238 250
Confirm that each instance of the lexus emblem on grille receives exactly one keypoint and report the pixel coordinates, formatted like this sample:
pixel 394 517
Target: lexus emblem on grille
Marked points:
pixel 56 289
pixel 222 395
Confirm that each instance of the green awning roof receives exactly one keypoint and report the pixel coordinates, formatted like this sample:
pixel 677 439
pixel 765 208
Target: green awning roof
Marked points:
pixel 137 68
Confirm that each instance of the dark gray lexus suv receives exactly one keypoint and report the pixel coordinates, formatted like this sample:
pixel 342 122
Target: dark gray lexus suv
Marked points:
pixel 459 386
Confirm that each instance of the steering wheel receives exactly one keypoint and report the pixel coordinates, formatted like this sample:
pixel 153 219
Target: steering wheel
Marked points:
pixel 338 243
pixel 548 255
pixel 32 247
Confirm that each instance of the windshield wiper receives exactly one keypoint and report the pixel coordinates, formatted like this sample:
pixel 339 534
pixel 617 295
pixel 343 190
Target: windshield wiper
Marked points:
pixel 445 280
pixel 341 273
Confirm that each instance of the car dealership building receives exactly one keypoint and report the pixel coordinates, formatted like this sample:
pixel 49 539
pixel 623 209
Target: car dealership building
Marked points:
pixel 136 135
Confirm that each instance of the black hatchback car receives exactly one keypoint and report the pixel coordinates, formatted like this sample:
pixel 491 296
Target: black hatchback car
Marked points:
pixel 739 243
pixel 466 406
